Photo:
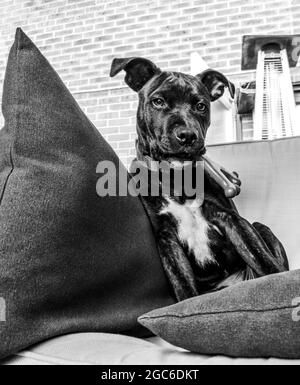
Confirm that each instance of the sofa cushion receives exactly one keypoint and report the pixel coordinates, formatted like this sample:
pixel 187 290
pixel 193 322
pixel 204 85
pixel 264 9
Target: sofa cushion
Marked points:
pixel 113 349
pixel 269 171
pixel 258 318
pixel 70 261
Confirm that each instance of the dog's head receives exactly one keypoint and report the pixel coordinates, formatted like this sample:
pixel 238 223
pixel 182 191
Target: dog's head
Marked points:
pixel 174 108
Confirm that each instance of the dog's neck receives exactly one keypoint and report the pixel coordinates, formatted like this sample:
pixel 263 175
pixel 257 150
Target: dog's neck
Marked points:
pixel 144 160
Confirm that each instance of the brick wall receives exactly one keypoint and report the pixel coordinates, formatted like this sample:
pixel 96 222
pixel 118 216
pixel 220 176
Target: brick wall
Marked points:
pixel 81 37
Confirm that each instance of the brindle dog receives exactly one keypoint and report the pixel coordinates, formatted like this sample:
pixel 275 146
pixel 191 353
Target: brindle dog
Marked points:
pixel 202 248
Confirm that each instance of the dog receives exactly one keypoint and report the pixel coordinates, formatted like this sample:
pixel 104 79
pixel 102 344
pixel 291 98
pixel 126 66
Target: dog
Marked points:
pixel 204 248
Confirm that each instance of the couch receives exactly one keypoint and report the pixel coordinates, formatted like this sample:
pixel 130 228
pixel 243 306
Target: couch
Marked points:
pixel 270 173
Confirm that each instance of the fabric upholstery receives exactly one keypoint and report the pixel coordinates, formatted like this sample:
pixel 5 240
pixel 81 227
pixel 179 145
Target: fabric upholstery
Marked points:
pixel 113 349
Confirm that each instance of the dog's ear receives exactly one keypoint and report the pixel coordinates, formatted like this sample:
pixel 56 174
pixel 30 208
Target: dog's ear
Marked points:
pixel 216 83
pixel 138 71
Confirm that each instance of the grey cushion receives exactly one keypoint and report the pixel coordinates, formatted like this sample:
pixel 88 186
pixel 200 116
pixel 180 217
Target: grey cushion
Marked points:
pixel 70 261
pixel 259 318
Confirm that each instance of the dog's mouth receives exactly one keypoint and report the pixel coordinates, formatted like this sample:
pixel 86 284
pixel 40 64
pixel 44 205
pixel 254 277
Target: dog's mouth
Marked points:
pixel 185 156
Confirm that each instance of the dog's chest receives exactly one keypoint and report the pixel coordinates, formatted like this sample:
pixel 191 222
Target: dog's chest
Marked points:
pixel 192 229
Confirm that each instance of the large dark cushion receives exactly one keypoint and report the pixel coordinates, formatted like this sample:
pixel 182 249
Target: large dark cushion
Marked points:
pixel 70 261
pixel 259 318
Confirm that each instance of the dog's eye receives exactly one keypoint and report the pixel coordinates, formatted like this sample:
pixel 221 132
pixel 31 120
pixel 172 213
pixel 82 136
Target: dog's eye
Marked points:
pixel 158 103
pixel 201 107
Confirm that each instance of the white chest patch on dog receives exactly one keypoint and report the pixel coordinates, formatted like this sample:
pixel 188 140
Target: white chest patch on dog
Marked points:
pixel 192 229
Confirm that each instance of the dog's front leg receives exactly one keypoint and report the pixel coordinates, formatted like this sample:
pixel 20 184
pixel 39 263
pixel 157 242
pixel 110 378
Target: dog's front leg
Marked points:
pixel 248 243
pixel 175 263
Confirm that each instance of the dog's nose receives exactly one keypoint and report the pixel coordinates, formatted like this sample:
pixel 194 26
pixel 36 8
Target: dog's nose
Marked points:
pixel 186 137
